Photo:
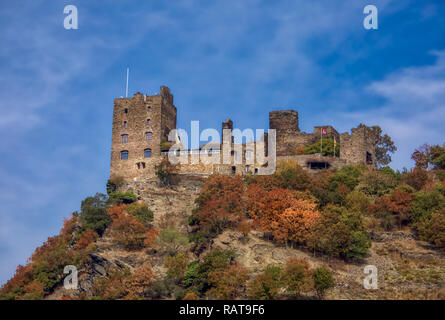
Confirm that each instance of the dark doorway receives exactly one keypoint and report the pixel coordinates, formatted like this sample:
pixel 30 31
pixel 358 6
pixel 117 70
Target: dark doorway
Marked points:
pixel 314 165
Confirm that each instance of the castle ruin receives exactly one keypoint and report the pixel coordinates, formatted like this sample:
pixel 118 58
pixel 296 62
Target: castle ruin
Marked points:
pixel 142 123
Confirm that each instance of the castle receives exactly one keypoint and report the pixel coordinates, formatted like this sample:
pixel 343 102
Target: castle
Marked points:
pixel 140 140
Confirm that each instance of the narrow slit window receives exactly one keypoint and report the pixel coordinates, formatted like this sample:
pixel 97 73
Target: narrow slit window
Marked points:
pixel 124 155
pixel 149 108
pixel 125 110
pixel 125 124
pixel 148 122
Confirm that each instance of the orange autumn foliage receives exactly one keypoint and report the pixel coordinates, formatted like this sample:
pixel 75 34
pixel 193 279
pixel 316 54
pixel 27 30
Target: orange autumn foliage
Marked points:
pixel 125 229
pixel 229 283
pixel 86 239
pixel 150 237
pixel 220 203
pixel 281 214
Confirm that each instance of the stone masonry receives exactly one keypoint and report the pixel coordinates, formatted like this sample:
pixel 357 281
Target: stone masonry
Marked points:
pixel 141 125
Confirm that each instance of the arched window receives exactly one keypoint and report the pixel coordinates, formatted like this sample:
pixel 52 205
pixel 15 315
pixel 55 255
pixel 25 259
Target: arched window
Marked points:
pixel 148 136
pixel 124 155
pixel 125 124
pixel 124 138
pixel 147 153
pixel 149 108
pixel 148 122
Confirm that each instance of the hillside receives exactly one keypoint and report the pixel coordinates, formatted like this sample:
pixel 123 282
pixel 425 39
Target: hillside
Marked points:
pixel 287 236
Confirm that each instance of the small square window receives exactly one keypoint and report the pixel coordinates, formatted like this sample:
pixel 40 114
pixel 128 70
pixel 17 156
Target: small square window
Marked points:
pixel 124 138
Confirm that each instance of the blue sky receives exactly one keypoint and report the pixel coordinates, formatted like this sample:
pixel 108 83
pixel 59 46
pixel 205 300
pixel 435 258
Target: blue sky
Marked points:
pixel 238 59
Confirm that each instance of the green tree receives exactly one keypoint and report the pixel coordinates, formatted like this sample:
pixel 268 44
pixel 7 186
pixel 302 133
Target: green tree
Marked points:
pixel 384 146
pixel 323 280
pixel 117 198
pixel 93 213
pixel 296 277
pixel 326 147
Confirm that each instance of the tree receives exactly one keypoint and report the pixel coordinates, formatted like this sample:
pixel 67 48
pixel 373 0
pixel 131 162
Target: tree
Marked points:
pixel 170 240
pixel 323 280
pixel 93 213
pixel 176 266
pixel 296 277
pixel 266 285
pixel 376 184
pixel 341 233
pixel 126 230
pixel 296 223
pixel 198 273
pixel 416 178
pixel 384 146
pixel 228 283
pixel 427 156
pixel 138 282
pixel 327 145
pixel 220 204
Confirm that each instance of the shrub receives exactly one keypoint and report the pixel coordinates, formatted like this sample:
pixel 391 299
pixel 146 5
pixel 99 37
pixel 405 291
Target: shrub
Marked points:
pixel 113 184
pixel 166 173
pixel 266 285
pixel 323 280
pixel 176 266
pixel 348 175
pixel 126 230
pixel 191 296
pixel 117 198
pixel 170 240
pixel 198 273
pixel 93 213
pixel 141 212
pixel 228 283
pixel 86 239
pixel 296 277
pixel 357 201
pixel 327 148
pixel 289 175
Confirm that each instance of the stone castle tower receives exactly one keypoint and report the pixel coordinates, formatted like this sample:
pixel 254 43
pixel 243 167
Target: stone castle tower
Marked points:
pixel 140 126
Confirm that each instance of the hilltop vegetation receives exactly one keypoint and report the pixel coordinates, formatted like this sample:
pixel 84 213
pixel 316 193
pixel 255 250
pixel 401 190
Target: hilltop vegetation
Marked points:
pixel 319 221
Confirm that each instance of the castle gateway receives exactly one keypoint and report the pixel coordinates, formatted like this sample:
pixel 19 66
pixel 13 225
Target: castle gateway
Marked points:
pixel 140 140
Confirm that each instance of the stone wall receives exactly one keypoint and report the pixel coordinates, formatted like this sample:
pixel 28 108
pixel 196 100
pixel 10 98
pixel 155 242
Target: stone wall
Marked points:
pixel 357 148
